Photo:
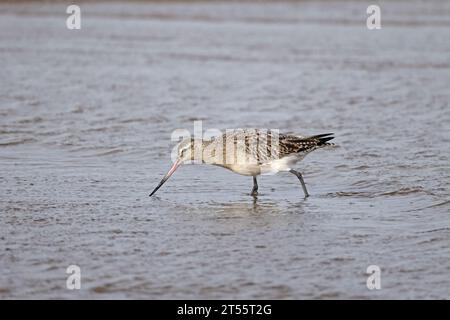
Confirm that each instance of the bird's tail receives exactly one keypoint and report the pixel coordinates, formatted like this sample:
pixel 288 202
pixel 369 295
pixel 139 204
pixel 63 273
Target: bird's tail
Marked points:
pixel 321 139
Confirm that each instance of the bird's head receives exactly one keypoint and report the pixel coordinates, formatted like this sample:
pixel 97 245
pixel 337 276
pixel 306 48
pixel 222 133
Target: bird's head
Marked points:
pixel 188 150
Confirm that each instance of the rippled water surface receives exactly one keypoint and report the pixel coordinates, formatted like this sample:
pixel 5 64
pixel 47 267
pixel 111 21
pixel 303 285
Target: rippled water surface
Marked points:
pixel 85 124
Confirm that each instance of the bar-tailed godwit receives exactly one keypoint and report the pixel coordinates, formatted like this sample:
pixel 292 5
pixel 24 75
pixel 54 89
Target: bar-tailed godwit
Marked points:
pixel 250 152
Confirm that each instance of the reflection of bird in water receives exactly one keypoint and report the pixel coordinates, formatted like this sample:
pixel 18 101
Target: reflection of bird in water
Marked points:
pixel 250 152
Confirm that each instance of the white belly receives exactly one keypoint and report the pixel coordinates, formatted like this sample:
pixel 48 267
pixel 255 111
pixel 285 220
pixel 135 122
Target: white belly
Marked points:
pixel 272 167
pixel 244 169
pixel 283 164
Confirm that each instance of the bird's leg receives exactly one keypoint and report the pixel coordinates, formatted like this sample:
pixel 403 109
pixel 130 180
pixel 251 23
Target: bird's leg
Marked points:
pixel 255 187
pixel 299 176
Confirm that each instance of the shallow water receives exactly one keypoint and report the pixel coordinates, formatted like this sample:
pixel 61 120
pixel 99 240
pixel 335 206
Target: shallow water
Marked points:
pixel 85 124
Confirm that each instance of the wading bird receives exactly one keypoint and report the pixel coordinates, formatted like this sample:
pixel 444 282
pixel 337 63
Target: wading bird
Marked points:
pixel 250 152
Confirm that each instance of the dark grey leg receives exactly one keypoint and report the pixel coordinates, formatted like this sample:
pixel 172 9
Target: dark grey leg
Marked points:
pixel 255 187
pixel 299 176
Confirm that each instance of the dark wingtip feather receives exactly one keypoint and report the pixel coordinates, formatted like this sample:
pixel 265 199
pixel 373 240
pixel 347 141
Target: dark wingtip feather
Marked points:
pixel 323 138
pixel 322 135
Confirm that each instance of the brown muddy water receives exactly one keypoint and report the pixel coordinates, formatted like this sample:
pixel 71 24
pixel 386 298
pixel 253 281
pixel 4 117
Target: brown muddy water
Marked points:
pixel 86 118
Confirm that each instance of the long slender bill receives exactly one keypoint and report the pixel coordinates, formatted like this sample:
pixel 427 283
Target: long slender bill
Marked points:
pixel 167 176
